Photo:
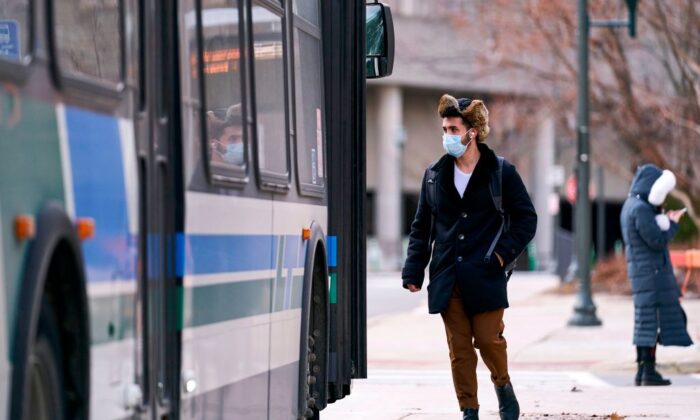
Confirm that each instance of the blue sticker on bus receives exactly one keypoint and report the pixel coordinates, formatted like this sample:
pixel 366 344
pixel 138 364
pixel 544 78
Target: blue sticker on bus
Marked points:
pixel 332 251
pixel 99 193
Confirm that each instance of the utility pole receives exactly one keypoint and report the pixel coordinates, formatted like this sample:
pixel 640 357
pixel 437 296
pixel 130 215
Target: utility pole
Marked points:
pixel 584 308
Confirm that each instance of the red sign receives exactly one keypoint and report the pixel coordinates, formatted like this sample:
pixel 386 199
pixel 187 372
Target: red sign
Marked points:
pixel 571 189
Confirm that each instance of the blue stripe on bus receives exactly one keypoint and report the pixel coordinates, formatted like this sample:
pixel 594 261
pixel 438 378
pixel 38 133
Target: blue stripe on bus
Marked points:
pixel 180 254
pixel 100 193
pixel 292 252
pixel 211 254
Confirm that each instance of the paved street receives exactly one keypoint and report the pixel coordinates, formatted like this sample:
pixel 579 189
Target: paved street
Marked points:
pixel 558 372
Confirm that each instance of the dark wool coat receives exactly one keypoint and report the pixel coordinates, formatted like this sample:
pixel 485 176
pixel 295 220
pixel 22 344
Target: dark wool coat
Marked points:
pixel 464 229
pixel 658 313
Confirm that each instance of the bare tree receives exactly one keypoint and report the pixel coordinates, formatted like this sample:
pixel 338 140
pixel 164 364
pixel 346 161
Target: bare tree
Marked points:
pixel 644 92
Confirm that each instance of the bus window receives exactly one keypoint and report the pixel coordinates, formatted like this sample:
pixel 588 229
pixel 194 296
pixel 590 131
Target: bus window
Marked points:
pixel 268 52
pixel 309 99
pixel 307 9
pixel 88 38
pixel 14 30
pixel 222 83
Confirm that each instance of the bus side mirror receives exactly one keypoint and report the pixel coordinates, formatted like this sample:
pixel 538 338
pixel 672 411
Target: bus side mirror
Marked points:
pixel 379 55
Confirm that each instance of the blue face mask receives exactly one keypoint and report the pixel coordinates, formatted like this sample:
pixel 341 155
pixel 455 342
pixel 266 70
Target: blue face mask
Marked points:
pixel 452 143
pixel 234 154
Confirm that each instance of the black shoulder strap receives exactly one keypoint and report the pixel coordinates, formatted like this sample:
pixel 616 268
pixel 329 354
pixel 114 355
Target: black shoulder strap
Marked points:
pixel 431 186
pixel 431 197
pixel 496 187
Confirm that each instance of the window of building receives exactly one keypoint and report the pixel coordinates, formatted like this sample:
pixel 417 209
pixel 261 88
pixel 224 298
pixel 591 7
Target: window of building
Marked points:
pixel 270 95
pixel 15 30
pixel 88 38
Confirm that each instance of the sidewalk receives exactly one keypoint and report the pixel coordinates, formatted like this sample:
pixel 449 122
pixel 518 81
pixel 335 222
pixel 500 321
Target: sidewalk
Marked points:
pixel 558 371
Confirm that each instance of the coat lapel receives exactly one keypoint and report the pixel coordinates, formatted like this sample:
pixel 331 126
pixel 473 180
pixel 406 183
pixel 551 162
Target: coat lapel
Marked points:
pixel 482 171
pixel 445 178
pixel 446 171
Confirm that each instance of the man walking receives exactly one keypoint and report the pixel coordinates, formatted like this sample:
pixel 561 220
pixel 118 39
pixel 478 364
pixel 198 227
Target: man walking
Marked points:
pixel 475 217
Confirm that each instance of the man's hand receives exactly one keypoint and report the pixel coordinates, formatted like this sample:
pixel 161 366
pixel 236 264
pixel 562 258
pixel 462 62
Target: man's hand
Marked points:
pixel 413 288
pixel 675 215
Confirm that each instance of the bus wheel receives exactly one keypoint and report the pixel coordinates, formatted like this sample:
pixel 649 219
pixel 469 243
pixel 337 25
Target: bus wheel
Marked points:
pixel 317 345
pixel 312 371
pixel 46 394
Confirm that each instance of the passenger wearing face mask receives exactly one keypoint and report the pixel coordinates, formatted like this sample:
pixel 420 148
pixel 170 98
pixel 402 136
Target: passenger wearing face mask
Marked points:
pixel 226 138
pixel 473 220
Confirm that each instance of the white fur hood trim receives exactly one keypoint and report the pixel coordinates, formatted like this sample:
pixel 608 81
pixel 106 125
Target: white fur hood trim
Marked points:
pixel 662 186
pixel 663 221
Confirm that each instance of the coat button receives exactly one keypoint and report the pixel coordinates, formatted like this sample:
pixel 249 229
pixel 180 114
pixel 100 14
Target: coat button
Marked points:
pixel 464 215
pixel 461 237
pixel 459 259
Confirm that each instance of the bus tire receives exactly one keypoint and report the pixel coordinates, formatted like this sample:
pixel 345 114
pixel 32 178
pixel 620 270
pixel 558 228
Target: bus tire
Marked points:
pixel 46 394
pixel 313 360
pixel 53 278
pixel 317 349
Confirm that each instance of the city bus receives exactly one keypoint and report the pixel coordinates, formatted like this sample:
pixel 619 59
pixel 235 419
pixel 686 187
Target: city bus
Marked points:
pixel 182 187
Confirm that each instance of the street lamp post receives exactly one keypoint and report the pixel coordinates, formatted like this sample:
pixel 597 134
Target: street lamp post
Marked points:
pixel 584 308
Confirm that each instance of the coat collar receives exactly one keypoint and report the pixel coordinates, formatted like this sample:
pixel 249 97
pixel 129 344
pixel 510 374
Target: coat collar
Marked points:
pixel 487 160
pixel 484 167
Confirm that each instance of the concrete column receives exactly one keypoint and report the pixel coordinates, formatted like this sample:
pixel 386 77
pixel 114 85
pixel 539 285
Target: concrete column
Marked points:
pixel 388 191
pixel 543 187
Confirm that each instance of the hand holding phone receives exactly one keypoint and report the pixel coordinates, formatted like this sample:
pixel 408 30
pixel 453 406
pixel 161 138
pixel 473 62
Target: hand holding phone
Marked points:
pixel 675 215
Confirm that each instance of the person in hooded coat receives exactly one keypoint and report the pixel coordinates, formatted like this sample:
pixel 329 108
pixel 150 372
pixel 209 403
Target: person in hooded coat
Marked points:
pixel 460 231
pixel 646 231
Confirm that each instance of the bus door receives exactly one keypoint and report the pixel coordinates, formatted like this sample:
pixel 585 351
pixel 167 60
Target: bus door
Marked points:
pixel 160 212
pixel 230 269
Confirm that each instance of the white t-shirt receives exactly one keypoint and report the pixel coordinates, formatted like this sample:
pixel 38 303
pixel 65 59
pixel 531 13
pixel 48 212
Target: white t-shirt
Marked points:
pixel 461 180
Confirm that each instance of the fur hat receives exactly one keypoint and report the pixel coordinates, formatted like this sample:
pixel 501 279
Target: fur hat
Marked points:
pixel 228 116
pixel 473 112
pixel 218 120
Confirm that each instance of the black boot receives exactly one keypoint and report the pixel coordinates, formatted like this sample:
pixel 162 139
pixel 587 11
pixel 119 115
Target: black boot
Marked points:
pixel 508 407
pixel 471 414
pixel 649 375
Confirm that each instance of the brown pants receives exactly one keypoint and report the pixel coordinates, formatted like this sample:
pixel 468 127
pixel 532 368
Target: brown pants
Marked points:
pixel 483 331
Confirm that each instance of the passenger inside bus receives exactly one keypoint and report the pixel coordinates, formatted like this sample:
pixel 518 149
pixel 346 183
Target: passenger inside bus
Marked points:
pixel 226 136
